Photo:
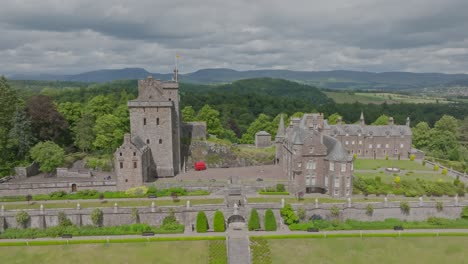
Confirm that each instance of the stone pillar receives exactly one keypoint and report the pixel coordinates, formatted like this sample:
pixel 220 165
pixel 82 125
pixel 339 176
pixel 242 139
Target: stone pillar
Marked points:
pixel 188 204
pixel 41 208
pixel 236 209
pixel 153 209
pixel 349 202
pixel 421 203
pixel 2 211
pixel 78 206
pixel 456 200
pixel 386 201
pixel 116 208
pixel 282 202
pixel 316 203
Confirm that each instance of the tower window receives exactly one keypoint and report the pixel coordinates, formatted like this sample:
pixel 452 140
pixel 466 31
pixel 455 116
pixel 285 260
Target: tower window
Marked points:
pixel 157 121
pixel 160 141
pixel 170 99
pixel 134 153
pixel 147 141
pixel 134 165
pixel 121 165
pixel 144 121
pixel 120 154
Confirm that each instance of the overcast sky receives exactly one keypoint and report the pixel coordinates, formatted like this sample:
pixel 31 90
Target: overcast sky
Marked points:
pixel 68 36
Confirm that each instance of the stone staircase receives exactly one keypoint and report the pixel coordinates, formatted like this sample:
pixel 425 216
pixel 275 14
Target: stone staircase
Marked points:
pixel 238 247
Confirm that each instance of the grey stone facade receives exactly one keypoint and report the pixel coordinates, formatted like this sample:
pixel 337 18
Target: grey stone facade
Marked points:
pixel 262 139
pixel 194 130
pixel 375 142
pixel 312 160
pixel 153 147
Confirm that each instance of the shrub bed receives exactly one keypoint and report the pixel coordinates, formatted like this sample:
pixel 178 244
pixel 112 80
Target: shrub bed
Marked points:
pixel 273 193
pixel 254 221
pixel 202 222
pixel 219 224
pixel 270 221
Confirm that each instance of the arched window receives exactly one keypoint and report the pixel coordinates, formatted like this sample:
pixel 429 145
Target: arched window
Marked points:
pixel 160 141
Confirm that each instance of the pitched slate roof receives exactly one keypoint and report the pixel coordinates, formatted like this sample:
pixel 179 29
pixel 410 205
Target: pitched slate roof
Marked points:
pixel 335 151
pixel 354 130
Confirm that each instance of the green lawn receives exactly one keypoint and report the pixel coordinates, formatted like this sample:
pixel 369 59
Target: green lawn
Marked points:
pixel 277 199
pixel 380 250
pixel 10 206
pixel 154 252
pixel 344 97
pixel 370 164
pixel 389 177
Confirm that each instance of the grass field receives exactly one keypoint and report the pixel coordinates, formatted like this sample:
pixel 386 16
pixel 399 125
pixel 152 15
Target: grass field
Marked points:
pixel 389 177
pixel 72 204
pixel 193 252
pixel 370 164
pixel 369 250
pixel 380 98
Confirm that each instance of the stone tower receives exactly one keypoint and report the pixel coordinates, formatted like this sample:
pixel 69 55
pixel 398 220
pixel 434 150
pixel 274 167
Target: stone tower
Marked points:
pixel 155 119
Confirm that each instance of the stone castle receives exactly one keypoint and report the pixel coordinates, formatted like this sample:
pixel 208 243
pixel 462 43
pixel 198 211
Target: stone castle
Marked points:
pixel 152 149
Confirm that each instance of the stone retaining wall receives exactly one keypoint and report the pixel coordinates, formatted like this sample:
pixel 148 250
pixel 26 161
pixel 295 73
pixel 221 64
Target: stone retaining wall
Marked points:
pixel 15 189
pixel 25 172
pixel 66 173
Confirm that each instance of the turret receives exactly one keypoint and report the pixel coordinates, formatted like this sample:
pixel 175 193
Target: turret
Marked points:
pixel 280 132
pixel 361 120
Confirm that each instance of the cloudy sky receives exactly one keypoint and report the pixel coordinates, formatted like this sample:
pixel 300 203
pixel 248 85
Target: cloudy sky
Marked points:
pixel 72 36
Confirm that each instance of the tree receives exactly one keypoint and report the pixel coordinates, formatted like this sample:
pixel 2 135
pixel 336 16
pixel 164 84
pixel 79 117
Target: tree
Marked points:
pixel 254 221
pixel 421 135
pixel 84 133
pixel 48 154
pixel 100 105
pixel 219 224
pixel 288 214
pixel 109 133
pixel 202 222
pixel 448 123
pixel 63 219
pixel 381 121
pixel 71 111
pixel 188 114
pixel 270 221
pixel 47 122
pixel 333 119
pixel 21 136
pixel 8 105
pixel 262 123
pixel 211 117
pixel 22 219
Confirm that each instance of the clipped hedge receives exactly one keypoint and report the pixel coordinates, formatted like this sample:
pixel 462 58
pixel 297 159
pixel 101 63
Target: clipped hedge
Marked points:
pixel 273 193
pixel 254 220
pixel 270 221
pixel 202 222
pixel 219 224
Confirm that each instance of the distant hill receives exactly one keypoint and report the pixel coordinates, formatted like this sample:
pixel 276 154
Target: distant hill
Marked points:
pixel 325 79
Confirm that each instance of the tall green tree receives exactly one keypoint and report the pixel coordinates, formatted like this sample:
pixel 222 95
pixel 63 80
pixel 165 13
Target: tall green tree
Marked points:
pixel 47 122
pixel 109 133
pixel 100 105
pixel 421 135
pixel 71 111
pixel 83 132
pixel 8 104
pixel 448 123
pixel 381 121
pixel 262 123
pixel 48 154
pixel 21 136
pixel 211 117
pixel 333 119
pixel 188 114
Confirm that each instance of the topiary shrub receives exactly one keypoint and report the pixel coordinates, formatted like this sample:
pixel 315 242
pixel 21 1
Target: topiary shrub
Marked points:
pixel 444 171
pixel 270 221
pixel 412 157
pixel 280 187
pixel 22 219
pixel 202 222
pixel 288 214
pixel 219 224
pixel 369 210
pixel 436 167
pixel 97 217
pixel 254 221
pixel 386 157
pixel 63 220
pixel 405 208
pixel 439 206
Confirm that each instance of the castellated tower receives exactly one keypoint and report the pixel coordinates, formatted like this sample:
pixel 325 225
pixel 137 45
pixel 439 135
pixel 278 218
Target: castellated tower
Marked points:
pixel 154 125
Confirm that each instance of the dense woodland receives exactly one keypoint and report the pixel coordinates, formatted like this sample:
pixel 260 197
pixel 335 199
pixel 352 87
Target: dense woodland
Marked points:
pixel 53 119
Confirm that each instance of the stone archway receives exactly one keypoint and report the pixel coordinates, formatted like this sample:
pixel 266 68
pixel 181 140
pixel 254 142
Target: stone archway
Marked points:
pixel 237 222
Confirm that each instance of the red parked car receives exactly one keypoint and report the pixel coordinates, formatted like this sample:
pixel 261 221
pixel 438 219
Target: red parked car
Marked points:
pixel 200 165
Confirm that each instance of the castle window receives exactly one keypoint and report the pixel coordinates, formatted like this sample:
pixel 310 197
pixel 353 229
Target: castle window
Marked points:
pixel 384 152
pixel 346 142
pixel 360 142
pixel 336 192
pixel 120 154
pixel 310 180
pixel 359 151
pixel 337 182
pixel 126 180
pixel 135 165
pixel 326 181
pixel 386 145
pixel 121 165
pixel 144 121
pixel 343 167
pixel 157 121
pixel 332 166
pixel 370 146
pixel 147 141
pixel 311 165
pixel 352 142
pixel 378 145
pixel 170 99
pixel 401 145
pixel 160 141
pixel 134 153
